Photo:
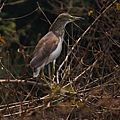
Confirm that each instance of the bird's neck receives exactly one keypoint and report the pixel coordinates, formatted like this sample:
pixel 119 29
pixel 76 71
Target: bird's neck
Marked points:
pixel 58 27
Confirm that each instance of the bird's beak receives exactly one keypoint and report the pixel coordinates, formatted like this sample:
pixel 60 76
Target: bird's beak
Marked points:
pixel 77 18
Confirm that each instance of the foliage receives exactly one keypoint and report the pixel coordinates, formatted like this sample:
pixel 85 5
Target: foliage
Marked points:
pixel 86 82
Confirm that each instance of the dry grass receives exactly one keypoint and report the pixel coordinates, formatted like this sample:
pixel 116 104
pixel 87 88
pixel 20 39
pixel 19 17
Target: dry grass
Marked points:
pixel 86 83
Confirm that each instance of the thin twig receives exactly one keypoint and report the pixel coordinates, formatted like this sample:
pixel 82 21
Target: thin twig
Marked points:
pixel 43 13
pixel 22 81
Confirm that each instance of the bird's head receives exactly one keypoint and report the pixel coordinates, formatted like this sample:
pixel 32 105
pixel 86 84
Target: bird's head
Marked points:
pixel 62 20
pixel 66 18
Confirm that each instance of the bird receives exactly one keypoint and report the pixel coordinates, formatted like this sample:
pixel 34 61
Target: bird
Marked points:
pixel 49 46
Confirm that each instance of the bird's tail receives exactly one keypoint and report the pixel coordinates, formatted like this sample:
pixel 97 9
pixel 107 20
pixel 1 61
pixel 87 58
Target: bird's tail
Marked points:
pixel 36 71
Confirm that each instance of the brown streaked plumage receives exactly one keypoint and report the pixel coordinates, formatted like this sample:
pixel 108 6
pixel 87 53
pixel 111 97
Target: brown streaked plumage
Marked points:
pixel 49 47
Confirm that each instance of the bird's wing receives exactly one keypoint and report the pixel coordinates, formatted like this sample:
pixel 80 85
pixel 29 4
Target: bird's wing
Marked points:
pixel 44 48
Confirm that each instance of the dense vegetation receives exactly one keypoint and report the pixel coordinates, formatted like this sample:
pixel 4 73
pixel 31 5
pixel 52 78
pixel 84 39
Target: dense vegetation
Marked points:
pixel 86 82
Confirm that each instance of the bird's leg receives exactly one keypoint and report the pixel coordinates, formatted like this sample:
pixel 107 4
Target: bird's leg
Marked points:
pixel 53 68
pixel 42 74
pixel 44 78
pixel 49 71
pixel 53 71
